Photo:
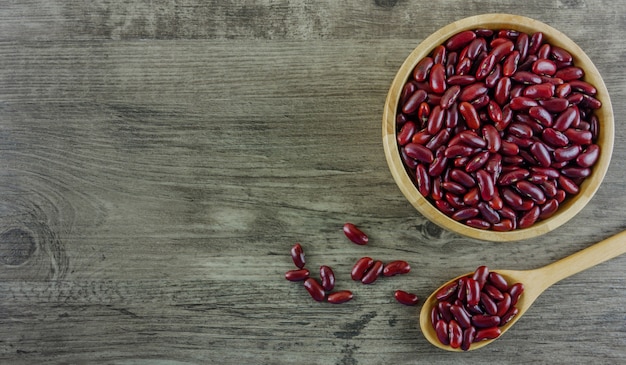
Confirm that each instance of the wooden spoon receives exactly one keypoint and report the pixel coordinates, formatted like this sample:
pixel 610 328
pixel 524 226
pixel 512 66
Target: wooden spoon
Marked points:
pixel 535 282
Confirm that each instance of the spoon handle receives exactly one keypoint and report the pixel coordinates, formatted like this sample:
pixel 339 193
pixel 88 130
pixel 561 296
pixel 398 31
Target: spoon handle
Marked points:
pixel 584 259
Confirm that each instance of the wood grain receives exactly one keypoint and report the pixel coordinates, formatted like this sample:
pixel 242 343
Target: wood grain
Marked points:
pixel 158 159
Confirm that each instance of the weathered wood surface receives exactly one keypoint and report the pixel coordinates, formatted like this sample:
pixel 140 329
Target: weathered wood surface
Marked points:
pixel 158 159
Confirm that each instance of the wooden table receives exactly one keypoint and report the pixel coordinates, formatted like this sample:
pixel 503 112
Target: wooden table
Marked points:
pixel 159 159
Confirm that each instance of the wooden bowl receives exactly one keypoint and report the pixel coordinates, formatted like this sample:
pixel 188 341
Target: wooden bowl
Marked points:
pixel 572 205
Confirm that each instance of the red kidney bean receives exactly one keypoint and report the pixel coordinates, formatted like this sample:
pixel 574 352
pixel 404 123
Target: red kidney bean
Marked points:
pixel 485 320
pixel 509 149
pixel 485 184
pixel 567 153
pixel 477 162
pixel 492 79
pixel 525 77
pixel 461 315
pixel 361 266
pixel 531 190
pixel 406 133
pixel 480 275
pixel 502 91
pixel 590 102
pixel 444 311
pixel 542 115
pixel 489 304
pixel 455 333
pixel 513 176
pixel 510 63
pixel 470 138
pixel 437 79
pixel 441 329
pixel 413 101
pixel 464 214
pixel 447 291
pixel 541 153
pixel 471 198
pixel 419 152
pixel 469 114
pixel 544 66
pixel 315 289
pixel 576 172
pixel 568 185
pixel 422 69
pixel 439 54
pixel 354 234
pixel 373 273
pixel 485 66
pixel 554 138
pixel 530 217
pixel 516 291
pixel 339 297
pixel 539 91
pixel 405 298
pixel 396 267
pixel 578 136
pixel 570 73
pixel 549 208
pixel 327 277
pixel 472 291
pixel 504 225
pixel 434 316
pixel 498 281
pixel 589 157
pixel 297 275
pixel 450 96
pixel 583 87
pixel 422 180
pixel 567 118
pixel 461 80
pixel 488 213
pixel 435 120
pixel 469 335
pixel 297 255
pixel 460 40
pixel 520 130
pixel 487 334
pixel 473 91
pixel 508 316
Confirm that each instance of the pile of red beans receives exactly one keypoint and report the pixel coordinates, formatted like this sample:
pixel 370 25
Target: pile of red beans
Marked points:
pixel 366 270
pixel 473 308
pixel 497 128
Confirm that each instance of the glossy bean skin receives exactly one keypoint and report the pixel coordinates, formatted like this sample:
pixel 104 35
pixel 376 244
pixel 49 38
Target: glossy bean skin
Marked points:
pixel 441 329
pixel 361 266
pixel 297 275
pixel 339 297
pixel 297 255
pixel 327 277
pixel 354 234
pixel 406 298
pixel 373 273
pixel 487 334
pixel 455 333
pixel 396 267
pixel 315 289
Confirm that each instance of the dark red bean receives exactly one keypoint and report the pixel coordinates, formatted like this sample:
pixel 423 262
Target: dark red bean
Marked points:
pixel 444 311
pixel 480 275
pixel 422 69
pixel 589 157
pixel 450 96
pixel 470 138
pixel 567 153
pixel 522 103
pixel 361 266
pixel 406 298
pixel 510 63
pixel 576 172
pixel 461 315
pixel 508 316
pixel 373 273
pixel 471 198
pixel 455 333
pixel 485 320
pixel 541 153
pixel 339 297
pixel 473 91
pixel 487 334
pixel 502 91
pixel 447 291
pixel 489 304
pixel 441 329
pixel 315 289
pixel 422 180
pixel 485 184
pixel 578 136
pixel 437 79
pixel 297 275
pixel 549 208
pixel 590 102
pixel 434 316
pixel 554 138
pixel 525 77
pixel 488 213
pixel 583 87
pixel 461 80
pixel 502 50
pixel 472 291
pixel 297 255
pixel 463 214
pixel 460 40
pixel 396 267
pixel 531 190
pixel 419 152
pixel 469 334
pixel 568 185
pixel 567 118
pixel 516 291
pixel 504 225
pixel 513 176
pixel 485 66
pixel 439 54
pixel 406 133
pixel 413 102
pixel 469 114
pixel 477 162
pixel 542 91
pixel 498 281
pixel 327 277
pixel 570 73
pixel 435 120
pixel 544 67
pixel 354 234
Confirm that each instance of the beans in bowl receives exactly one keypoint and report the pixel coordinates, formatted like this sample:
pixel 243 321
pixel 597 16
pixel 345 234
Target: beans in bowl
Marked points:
pixel 497 128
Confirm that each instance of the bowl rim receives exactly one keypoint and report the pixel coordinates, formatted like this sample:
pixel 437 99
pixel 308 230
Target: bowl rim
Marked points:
pixel 572 205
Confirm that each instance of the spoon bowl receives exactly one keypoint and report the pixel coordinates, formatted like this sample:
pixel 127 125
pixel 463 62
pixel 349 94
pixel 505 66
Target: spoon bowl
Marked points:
pixel 535 282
